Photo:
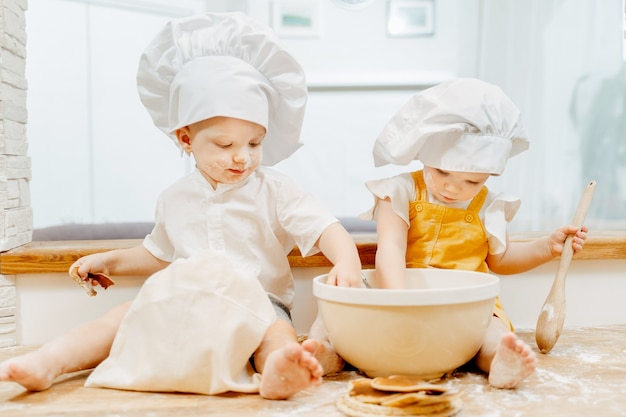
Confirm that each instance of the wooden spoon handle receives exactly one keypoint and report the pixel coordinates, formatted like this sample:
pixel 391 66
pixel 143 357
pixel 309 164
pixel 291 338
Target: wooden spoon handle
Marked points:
pixel 579 219
pixel 551 318
pixel 583 205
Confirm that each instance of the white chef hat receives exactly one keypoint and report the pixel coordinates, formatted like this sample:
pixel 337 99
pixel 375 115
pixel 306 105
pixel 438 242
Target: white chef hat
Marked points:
pixel 463 125
pixel 224 64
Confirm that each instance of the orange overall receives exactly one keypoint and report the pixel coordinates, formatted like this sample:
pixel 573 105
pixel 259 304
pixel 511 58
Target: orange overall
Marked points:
pixel 448 237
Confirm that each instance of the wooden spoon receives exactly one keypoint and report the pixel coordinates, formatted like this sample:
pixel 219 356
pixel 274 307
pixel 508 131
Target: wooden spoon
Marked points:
pixel 550 321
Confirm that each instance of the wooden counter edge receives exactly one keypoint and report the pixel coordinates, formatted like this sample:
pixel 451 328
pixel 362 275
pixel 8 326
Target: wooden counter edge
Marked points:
pixel 57 256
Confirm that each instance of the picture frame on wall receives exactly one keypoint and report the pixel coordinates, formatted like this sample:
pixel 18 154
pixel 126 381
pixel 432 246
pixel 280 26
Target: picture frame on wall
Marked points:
pixel 408 18
pixel 297 18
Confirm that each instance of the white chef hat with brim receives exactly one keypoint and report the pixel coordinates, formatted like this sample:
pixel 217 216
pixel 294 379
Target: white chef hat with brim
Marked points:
pixel 224 64
pixel 465 125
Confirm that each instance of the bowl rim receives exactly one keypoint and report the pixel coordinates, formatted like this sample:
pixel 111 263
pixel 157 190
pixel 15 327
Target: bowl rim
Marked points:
pixel 486 290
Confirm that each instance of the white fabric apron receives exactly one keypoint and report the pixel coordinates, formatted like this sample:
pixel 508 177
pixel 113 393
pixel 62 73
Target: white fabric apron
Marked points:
pixel 192 328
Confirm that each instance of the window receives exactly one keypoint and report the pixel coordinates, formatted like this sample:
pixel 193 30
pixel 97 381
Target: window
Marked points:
pixel 561 62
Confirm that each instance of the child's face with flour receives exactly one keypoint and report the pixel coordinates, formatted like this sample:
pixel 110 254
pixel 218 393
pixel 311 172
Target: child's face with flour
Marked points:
pixel 226 150
pixel 453 186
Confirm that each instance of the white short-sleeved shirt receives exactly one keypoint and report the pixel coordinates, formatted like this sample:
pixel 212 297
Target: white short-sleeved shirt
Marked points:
pixel 496 212
pixel 255 224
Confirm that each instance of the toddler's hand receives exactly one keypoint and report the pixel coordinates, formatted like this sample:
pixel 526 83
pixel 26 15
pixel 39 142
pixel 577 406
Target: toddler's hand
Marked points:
pixel 93 264
pixel 557 239
pixel 345 277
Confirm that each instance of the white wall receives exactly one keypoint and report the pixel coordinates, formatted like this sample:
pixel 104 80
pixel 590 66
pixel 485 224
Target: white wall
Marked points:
pixel 16 222
pixel 97 157
pixel 353 47
pixel 15 173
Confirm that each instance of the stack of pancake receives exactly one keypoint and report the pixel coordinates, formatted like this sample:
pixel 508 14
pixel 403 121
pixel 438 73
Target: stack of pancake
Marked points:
pixel 399 395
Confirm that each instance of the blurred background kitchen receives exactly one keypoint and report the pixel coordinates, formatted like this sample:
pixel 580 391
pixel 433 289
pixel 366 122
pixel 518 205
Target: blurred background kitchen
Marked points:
pixel 97 158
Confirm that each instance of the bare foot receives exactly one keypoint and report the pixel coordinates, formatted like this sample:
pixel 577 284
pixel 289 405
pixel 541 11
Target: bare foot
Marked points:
pixel 289 370
pixel 325 354
pixel 32 370
pixel 513 362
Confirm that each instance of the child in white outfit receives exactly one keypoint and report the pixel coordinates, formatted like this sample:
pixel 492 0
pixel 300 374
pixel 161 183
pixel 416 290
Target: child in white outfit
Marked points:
pixel 226 92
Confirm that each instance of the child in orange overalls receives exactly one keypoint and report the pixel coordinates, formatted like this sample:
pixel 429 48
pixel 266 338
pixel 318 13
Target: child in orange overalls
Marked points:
pixel 443 216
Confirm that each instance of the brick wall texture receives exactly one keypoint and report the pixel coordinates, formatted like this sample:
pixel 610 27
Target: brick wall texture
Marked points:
pixel 16 218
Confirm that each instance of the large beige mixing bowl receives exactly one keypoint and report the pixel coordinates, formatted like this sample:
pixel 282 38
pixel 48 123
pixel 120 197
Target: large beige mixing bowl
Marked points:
pixel 434 326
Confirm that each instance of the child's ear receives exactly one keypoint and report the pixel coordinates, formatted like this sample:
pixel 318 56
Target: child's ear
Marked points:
pixel 184 139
